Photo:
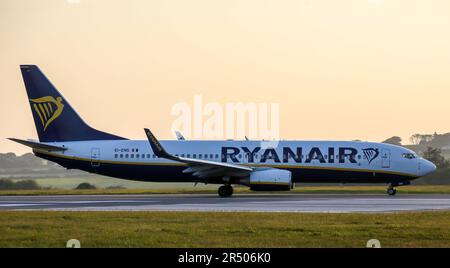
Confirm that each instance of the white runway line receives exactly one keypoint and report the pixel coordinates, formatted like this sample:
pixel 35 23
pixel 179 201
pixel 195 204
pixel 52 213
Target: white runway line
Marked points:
pixel 17 205
pixel 238 203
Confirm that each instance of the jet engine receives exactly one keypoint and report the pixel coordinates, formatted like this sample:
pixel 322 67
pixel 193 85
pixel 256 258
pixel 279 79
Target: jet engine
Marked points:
pixel 270 180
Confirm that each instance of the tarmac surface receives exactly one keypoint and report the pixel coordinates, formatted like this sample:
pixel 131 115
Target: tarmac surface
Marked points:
pixel 239 202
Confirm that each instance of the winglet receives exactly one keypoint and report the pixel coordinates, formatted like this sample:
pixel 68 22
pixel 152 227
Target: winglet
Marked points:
pixel 180 136
pixel 156 146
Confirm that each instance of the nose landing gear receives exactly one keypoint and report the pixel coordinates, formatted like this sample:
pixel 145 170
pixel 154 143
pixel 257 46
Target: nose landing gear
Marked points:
pixel 225 191
pixel 391 190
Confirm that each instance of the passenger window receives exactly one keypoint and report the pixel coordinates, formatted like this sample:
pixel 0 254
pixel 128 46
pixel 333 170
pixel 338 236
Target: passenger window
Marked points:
pixel 217 156
pixel 121 155
pixel 132 155
pixel 137 155
pixel 148 155
pixel 115 156
pixel 126 155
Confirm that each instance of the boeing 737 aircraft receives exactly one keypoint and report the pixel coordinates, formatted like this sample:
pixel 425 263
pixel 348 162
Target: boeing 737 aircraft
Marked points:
pixel 66 139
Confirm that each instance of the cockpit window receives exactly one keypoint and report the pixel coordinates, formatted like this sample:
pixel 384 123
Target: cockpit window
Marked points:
pixel 408 155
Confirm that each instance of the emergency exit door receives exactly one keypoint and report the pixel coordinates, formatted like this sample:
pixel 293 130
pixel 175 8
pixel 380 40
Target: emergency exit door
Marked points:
pixel 95 157
pixel 385 158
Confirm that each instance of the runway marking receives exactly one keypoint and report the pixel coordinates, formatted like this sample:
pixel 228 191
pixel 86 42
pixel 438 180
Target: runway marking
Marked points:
pixel 17 205
pixel 84 202
pixel 238 203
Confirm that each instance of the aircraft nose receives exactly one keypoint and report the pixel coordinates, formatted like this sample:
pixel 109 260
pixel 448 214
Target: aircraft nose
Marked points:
pixel 426 167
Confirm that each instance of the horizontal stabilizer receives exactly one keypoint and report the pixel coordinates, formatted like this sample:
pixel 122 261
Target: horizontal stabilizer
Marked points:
pixel 38 145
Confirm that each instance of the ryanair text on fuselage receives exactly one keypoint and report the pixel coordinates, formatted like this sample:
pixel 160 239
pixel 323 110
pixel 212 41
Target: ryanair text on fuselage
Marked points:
pixel 344 154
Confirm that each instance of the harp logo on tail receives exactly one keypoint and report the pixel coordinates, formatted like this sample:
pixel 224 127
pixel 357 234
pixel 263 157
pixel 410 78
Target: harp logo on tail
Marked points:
pixel 48 109
pixel 371 154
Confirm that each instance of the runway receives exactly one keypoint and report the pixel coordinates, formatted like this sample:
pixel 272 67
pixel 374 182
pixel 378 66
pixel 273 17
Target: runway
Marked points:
pixel 239 202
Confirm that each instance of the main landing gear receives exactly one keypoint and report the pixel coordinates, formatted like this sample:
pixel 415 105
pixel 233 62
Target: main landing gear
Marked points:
pixel 391 190
pixel 225 191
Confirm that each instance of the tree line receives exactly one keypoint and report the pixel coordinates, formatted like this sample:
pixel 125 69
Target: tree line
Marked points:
pixel 428 145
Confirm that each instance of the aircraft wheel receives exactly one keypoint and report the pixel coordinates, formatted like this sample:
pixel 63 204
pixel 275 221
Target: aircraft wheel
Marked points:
pixel 225 191
pixel 391 191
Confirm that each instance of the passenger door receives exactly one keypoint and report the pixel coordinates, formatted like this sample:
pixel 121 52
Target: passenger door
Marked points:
pixel 385 158
pixel 95 157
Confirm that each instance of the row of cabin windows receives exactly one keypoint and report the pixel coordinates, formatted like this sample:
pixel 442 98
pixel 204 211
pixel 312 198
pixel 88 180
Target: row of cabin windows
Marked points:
pixel 204 156
pixel 133 155
pixel 212 156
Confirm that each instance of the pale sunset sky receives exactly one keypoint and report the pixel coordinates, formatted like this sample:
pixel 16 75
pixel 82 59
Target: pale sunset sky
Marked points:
pixel 341 70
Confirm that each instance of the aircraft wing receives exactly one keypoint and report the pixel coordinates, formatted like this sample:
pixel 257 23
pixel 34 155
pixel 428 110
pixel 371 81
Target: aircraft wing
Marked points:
pixel 39 145
pixel 198 167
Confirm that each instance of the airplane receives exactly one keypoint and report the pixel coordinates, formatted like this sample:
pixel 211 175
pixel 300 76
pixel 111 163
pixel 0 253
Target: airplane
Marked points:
pixel 66 139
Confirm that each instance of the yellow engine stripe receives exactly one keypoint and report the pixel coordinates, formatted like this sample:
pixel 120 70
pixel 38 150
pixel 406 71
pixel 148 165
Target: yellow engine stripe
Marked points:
pixel 270 183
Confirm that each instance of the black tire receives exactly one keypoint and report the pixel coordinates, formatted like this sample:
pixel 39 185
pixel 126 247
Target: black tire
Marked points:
pixel 391 191
pixel 225 191
pixel 230 190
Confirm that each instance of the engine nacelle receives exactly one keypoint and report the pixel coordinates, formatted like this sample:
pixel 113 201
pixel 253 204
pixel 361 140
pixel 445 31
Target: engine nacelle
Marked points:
pixel 270 180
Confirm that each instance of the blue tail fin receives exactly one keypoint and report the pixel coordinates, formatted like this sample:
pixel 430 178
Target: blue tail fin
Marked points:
pixel 54 118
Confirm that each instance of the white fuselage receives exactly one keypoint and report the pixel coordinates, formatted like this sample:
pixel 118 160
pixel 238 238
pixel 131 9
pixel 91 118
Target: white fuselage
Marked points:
pixel 310 160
